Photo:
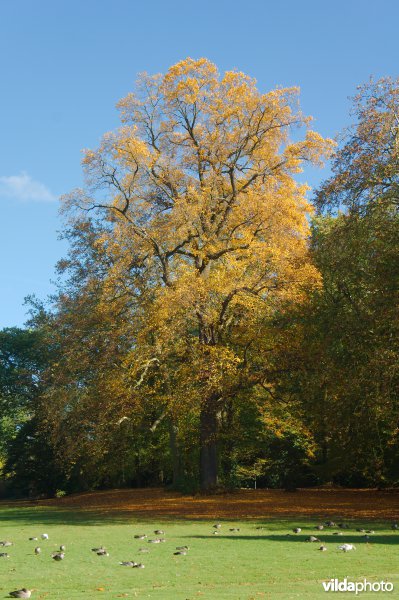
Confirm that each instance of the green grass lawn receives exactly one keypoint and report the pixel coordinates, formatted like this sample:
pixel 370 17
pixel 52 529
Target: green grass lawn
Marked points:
pixel 252 563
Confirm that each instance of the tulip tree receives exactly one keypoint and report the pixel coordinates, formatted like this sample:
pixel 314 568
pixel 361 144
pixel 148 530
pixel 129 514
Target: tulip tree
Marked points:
pixel 206 227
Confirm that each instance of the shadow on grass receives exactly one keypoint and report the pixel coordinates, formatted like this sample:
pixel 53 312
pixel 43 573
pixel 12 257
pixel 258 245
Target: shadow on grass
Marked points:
pixel 349 538
pixel 31 515
pixel 26 516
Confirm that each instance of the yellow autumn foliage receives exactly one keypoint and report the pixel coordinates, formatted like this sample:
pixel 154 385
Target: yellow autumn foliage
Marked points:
pixel 198 187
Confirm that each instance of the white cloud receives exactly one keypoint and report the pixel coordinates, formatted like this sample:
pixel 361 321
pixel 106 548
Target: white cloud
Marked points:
pixel 22 187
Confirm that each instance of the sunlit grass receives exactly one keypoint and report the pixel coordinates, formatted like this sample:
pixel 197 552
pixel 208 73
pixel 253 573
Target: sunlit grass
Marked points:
pixel 252 563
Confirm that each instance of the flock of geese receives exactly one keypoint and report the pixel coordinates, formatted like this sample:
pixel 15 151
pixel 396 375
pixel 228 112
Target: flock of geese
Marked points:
pixel 344 547
pixel 100 551
pixel 183 550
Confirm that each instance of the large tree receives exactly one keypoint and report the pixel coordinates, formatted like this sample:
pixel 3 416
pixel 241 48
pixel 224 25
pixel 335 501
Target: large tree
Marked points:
pixel 206 228
pixel 350 359
pixel 22 359
pixel 366 166
pixel 26 458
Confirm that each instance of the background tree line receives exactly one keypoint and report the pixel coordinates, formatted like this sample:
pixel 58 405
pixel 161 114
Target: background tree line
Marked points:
pixel 209 329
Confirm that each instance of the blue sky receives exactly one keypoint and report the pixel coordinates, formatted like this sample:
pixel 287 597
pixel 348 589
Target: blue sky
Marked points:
pixel 65 64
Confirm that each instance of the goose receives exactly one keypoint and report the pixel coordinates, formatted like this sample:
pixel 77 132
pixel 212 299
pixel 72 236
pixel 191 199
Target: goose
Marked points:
pixel 102 552
pixel 159 532
pixel 329 524
pixel 217 526
pixel 297 530
pixel 185 548
pixel 62 548
pixel 138 566
pixel 370 531
pixel 180 553
pixel 234 529
pixel 312 538
pixel 23 593
pixel 156 541
pixel 343 526
pixel 37 550
pixel 319 527
pixel 323 548
pixel 58 556
pixel 6 544
pixel 140 537
pixel 44 536
pixel 100 549
pixel 394 526
pixel 4 555
pixel 346 547
pixel 360 530
pixel 33 539
pixel 128 563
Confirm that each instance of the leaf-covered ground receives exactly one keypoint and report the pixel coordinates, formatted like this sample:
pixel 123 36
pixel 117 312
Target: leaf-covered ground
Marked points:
pixel 339 503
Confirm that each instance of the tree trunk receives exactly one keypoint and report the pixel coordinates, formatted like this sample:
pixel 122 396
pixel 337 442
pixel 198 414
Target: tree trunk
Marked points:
pixel 325 431
pixel 208 447
pixel 174 449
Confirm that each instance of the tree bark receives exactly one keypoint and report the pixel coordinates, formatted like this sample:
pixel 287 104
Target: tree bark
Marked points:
pixel 208 447
pixel 174 449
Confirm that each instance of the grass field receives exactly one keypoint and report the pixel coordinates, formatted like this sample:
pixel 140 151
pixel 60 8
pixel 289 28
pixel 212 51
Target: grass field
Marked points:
pixel 250 564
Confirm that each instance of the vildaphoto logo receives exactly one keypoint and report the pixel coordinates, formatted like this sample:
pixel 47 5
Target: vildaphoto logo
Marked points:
pixel 357 587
